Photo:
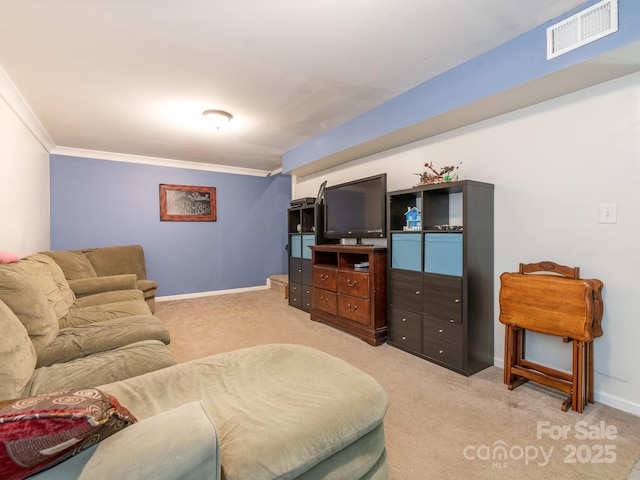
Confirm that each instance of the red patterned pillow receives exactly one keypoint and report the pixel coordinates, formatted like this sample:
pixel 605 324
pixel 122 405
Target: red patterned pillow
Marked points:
pixel 40 432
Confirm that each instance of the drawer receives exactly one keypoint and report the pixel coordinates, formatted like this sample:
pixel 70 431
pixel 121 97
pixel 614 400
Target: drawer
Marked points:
pixel 295 295
pixel 354 308
pixel 326 278
pixel 307 271
pixel 405 329
pixel 295 270
pixel 444 353
pixel 405 289
pixel 441 331
pixel 352 283
pixel 325 301
pixel 306 298
pixel 443 298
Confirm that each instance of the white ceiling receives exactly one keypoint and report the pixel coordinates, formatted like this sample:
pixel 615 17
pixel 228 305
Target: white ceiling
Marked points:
pixel 133 76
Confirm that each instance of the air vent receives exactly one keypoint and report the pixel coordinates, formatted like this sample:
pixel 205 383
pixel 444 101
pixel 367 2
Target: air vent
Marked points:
pixel 584 27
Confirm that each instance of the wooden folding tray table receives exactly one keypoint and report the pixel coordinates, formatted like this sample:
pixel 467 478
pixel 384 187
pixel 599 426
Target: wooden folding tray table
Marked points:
pixel 559 304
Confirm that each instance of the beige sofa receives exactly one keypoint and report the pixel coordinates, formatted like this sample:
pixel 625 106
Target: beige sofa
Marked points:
pixel 94 263
pixel 260 413
pixel 52 339
pixel 266 412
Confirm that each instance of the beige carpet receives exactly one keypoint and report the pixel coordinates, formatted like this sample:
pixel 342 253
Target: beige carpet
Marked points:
pixel 440 424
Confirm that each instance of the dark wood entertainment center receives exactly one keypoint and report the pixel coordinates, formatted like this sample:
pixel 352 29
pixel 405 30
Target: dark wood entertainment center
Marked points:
pixel 428 291
pixel 347 296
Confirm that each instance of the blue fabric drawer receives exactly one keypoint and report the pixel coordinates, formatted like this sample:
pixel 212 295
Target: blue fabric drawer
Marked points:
pixel 307 241
pixel 296 246
pixel 406 251
pixel 443 253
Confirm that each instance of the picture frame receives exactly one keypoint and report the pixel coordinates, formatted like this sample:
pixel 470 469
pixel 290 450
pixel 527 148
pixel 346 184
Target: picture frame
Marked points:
pixel 187 203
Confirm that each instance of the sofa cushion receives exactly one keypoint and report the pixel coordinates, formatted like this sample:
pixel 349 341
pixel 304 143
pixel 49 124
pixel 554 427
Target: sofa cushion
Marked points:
pixel 17 355
pixel 118 259
pixel 280 410
pixel 51 280
pixel 90 338
pixel 40 432
pixel 81 314
pixel 98 368
pixel 24 297
pixel 74 263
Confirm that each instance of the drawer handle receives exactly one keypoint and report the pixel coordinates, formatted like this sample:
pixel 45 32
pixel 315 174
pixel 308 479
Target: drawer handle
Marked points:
pixel 352 308
pixel 351 283
pixel 324 277
pixel 457 300
pixel 404 319
pixel 326 299
pixel 440 352
pixel 451 320
pixel 404 338
pixel 418 292
pixel 440 331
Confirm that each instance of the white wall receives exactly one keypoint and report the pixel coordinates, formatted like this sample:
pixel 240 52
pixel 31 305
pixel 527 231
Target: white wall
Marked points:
pixel 552 164
pixel 24 187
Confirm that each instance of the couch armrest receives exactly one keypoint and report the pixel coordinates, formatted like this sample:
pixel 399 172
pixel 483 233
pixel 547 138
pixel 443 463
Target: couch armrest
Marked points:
pixel 179 443
pixel 89 286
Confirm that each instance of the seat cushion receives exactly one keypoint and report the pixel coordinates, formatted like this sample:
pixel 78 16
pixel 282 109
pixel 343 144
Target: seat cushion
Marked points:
pixel 90 338
pixel 104 367
pixel 280 410
pixel 81 314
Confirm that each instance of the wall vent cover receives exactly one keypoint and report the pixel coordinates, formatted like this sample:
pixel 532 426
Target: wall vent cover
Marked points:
pixel 584 27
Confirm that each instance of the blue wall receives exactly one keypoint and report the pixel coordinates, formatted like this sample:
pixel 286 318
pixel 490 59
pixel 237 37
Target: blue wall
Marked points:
pixel 98 203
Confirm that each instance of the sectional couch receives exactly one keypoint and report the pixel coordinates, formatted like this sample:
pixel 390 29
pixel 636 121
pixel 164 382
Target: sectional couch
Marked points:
pixel 54 339
pixel 79 266
pixel 267 412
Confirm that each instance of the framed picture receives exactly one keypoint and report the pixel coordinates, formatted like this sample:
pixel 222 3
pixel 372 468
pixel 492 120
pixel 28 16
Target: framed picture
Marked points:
pixel 185 203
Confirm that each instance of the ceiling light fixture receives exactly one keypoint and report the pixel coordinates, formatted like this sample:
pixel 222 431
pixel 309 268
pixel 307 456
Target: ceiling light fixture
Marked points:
pixel 218 118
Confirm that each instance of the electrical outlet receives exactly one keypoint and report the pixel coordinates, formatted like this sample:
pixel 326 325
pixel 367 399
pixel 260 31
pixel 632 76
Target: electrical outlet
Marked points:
pixel 608 213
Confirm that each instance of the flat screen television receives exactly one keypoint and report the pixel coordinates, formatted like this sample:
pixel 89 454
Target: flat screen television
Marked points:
pixel 356 209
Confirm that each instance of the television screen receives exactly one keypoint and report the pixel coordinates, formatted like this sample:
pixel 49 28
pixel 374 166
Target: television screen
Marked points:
pixel 356 209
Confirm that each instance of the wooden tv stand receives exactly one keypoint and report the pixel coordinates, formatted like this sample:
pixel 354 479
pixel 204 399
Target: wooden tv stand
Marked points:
pixel 348 297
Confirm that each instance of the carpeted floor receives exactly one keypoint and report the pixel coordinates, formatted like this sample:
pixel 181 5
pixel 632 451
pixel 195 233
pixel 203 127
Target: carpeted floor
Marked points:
pixel 440 424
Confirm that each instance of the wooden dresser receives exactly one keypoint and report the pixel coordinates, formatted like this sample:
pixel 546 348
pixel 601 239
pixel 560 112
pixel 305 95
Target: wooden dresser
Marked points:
pixel 348 295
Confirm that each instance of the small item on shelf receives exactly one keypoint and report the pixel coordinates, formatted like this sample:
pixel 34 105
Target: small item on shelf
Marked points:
pixel 361 265
pixel 413 219
pixel 445 226
pixel 449 173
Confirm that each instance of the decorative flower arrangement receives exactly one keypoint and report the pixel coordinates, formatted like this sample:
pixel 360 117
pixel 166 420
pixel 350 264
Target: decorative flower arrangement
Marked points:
pixel 445 174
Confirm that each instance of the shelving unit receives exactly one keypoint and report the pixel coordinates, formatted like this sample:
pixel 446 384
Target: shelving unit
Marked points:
pixel 304 230
pixel 440 276
pixel 348 296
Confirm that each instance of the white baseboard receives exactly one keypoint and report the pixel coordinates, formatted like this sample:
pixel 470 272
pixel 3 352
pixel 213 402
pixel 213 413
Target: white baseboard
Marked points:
pixel 184 296
pixel 599 396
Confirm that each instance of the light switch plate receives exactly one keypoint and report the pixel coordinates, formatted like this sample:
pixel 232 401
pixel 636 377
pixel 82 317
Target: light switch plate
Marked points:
pixel 608 213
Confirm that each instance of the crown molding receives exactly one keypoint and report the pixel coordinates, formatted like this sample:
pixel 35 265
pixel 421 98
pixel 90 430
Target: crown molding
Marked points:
pixel 160 162
pixel 21 108
pixel 16 102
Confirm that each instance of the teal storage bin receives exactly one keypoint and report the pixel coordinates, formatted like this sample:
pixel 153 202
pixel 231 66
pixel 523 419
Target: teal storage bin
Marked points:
pixel 307 241
pixel 296 246
pixel 443 253
pixel 406 251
